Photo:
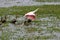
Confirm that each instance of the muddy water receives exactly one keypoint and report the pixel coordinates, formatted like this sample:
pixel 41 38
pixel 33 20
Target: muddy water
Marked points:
pixel 8 3
pixel 46 27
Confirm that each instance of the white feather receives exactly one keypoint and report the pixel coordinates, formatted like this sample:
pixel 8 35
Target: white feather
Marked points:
pixel 32 12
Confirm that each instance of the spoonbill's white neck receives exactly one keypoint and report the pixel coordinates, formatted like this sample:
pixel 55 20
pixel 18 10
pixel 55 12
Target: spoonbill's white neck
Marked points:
pixel 31 13
pixel 35 10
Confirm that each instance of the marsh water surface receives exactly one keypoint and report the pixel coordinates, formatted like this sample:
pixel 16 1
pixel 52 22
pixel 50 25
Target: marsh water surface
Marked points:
pixel 9 3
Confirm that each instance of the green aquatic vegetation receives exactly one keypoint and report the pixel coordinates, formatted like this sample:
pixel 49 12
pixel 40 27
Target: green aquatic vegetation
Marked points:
pixel 43 37
pixel 20 38
pixel 56 29
pixel 21 10
pixel 29 30
pixel 5 24
pixel 53 29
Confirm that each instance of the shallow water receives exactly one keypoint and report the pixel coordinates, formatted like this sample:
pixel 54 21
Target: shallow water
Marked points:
pixel 47 28
pixel 9 3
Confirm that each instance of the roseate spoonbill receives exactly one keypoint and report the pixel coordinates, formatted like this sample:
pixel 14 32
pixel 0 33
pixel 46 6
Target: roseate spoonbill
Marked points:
pixel 30 16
